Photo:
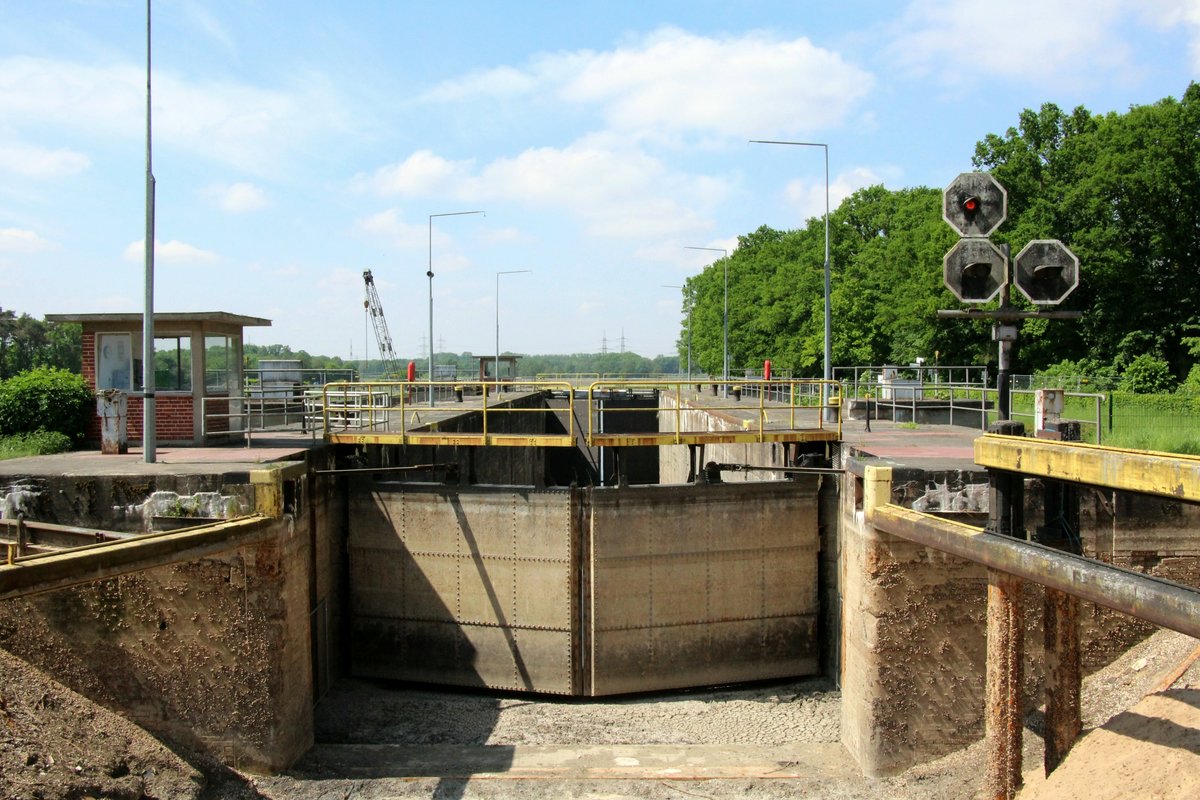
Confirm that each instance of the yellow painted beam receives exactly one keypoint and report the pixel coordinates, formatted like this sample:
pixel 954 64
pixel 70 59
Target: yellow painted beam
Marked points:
pixel 708 437
pixel 1164 474
pixel 596 439
pixel 44 572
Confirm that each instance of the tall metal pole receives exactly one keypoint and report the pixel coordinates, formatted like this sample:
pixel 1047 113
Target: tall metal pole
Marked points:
pixel 828 354
pixel 148 411
pixel 429 274
pixel 724 317
pixel 498 274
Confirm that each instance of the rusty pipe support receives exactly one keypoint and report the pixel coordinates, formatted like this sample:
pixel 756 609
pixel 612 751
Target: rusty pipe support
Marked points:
pixel 1005 656
pixel 1162 602
pixel 1063 676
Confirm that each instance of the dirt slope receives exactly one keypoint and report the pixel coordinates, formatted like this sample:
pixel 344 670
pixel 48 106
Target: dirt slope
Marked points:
pixel 56 744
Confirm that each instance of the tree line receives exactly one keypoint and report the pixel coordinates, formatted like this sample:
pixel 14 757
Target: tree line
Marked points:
pixel 1119 189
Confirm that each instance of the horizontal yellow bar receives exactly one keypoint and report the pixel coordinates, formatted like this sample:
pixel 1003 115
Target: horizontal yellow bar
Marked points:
pixel 452 439
pixel 1164 474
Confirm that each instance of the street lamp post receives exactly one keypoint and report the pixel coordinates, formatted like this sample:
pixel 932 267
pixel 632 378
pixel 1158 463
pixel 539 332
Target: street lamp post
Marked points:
pixel 149 424
pixel 498 274
pixel 724 317
pixel 429 274
pixel 828 365
pixel 689 341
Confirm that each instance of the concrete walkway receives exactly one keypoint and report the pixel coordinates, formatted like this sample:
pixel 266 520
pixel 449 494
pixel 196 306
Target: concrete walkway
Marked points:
pixel 264 449
pixel 928 447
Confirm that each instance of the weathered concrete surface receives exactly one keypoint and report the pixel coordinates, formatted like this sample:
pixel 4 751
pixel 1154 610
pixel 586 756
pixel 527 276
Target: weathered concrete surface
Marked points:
pixel 913 637
pixel 213 654
pixel 913 645
pixel 673 459
pixel 216 653
pixel 463 585
pixel 700 585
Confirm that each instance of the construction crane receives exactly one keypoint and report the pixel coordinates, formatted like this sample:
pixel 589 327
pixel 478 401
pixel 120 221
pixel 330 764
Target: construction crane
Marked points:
pixel 386 354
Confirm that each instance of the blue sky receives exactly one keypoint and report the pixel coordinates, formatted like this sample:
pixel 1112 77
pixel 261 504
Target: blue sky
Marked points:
pixel 298 143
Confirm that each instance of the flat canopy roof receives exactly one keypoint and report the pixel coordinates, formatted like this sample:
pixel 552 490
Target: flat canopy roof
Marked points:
pixel 165 316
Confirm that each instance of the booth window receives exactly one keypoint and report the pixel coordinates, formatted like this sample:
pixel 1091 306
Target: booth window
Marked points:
pixel 220 362
pixel 173 363
pixel 118 362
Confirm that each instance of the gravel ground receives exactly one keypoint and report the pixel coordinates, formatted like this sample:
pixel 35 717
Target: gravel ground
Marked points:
pixel 54 743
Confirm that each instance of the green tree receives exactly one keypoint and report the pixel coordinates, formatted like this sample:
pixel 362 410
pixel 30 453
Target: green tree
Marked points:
pixel 1118 190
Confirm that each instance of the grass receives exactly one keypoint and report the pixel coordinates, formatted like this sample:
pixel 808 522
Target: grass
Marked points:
pixel 1131 428
pixel 37 443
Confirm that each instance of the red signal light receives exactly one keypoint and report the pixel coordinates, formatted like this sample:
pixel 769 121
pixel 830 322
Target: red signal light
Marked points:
pixel 971 205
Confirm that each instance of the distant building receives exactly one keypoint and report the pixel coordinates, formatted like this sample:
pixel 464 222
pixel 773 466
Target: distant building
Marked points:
pixel 508 368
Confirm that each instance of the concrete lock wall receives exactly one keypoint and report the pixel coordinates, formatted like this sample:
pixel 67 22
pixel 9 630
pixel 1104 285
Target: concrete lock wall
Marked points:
pixel 914 631
pixel 213 654
pixel 223 654
pixel 913 642
pixel 692 586
pixel 584 592
pixel 673 459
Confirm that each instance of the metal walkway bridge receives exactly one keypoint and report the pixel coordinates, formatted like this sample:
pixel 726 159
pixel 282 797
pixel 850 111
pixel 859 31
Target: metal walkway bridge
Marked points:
pixel 564 414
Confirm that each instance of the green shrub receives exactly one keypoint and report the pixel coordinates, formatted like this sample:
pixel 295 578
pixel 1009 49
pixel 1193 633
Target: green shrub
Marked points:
pixel 37 443
pixel 45 399
pixel 1147 374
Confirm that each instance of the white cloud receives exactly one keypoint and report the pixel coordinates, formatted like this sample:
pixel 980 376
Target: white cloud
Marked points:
pixel 40 162
pixel 251 128
pixel 389 225
pixel 1167 14
pixel 616 192
pixel 616 189
pixel 498 82
pixel 966 45
pixel 504 236
pixel 239 198
pixel 204 21
pixel 808 197
pixel 672 82
pixel 172 252
pixel 16 240
pixel 420 173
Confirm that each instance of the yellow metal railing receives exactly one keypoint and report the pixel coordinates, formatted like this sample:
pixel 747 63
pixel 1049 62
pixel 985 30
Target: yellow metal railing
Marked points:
pixel 400 412
pixel 773 406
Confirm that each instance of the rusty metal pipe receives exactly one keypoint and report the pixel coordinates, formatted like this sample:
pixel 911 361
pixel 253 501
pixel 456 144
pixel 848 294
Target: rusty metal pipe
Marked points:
pixel 1162 602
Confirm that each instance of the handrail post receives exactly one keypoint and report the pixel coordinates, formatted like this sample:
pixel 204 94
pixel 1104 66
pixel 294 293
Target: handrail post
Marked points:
pixel 405 388
pixel 485 411
pixel 792 404
pixel 324 409
pixel 678 413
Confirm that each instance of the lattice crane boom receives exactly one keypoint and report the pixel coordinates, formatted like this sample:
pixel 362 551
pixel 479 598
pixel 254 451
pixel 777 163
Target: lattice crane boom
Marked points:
pixel 375 309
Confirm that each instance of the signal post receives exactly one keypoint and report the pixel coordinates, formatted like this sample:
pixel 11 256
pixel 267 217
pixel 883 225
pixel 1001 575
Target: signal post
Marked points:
pixel 1045 271
pixel 977 271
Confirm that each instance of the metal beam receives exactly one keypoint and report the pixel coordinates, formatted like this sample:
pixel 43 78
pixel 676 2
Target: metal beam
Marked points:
pixel 1162 602
pixel 1167 475
pixel 43 573
pixel 49 534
